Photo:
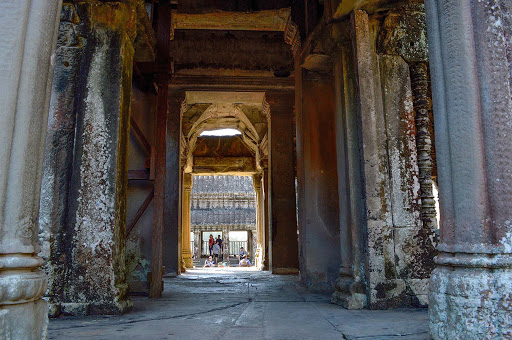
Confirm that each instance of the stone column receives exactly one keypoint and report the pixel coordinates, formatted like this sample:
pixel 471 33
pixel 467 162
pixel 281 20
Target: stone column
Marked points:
pixel 266 221
pixel 171 233
pixel 319 229
pixel 186 252
pixel 197 245
pixel 58 161
pixel 471 286
pixel 225 244
pixel 95 238
pixel 26 50
pixel 258 255
pixel 284 257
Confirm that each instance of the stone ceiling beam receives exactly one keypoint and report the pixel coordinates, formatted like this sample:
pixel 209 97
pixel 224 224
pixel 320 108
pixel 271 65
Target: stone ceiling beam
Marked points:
pixel 215 97
pixel 225 82
pixel 268 20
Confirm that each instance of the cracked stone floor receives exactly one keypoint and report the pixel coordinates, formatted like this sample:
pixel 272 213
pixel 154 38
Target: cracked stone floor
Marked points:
pixel 242 304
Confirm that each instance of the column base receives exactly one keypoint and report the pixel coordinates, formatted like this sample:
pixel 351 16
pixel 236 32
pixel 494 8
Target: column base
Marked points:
pixel 285 271
pixel 24 321
pixel 189 263
pixel 471 297
pixel 88 308
pixel 350 294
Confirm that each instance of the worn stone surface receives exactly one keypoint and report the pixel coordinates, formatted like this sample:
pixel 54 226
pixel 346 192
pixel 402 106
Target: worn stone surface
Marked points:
pixel 92 249
pixel 400 248
pixel 319 230
pixel 283 256
pixel 238 303
pixel 58 163
pixel 27 55
pixel 470 291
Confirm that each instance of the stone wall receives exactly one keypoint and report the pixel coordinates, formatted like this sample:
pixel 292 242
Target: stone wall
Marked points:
pixel 385 245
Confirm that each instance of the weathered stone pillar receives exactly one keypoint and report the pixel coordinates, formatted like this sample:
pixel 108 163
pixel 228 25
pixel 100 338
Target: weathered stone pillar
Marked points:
pixel 266 220
pixel 259 252
pixel 172 213
pixel 95 238
pixel 186 252
pixel 225 244
pixel 58 162
pixel 284 257
pixel 26 50
pixel 197 245
pixel 319 229
pixel 470 289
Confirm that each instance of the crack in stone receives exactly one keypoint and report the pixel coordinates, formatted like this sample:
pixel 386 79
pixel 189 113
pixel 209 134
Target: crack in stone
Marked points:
pixel 158 319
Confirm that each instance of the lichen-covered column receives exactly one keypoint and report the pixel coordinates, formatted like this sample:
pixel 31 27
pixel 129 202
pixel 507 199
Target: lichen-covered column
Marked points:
pixel 95 236
pixel 258 255
pixel 284 257
pixel 470 45
pixel 58 161
pixel 26 53
pixel 186 252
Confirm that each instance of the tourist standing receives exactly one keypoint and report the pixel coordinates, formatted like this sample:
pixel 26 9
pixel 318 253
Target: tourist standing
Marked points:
pixel 219 241
pixel 211 241
pixel 216 251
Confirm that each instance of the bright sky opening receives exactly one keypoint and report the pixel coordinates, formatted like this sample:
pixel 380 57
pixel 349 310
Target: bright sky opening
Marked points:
pixel 221 132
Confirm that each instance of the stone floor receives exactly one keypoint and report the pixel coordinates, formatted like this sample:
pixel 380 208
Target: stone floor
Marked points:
pixel 242 304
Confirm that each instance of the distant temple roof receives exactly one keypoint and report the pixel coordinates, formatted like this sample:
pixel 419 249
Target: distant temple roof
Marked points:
pixel 223 201
pixel 222 184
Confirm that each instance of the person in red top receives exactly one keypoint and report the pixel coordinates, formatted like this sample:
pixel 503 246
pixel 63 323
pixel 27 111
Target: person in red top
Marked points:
pixel 211 242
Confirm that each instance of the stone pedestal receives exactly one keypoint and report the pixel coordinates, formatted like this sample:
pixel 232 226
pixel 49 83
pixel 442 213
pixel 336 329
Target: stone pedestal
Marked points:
pixel 471 287
pixel 26 51
pixel 186 252
pixel 284 257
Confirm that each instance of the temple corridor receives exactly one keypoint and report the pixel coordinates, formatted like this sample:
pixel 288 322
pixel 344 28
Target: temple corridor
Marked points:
pixel 369 141
pixel 239 303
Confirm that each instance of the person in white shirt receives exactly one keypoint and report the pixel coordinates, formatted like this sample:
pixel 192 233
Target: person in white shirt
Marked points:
pixel 209 263
pixel 243 260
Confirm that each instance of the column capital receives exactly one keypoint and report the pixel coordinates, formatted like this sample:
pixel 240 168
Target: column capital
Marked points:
pixel 256 181
pixel 188 181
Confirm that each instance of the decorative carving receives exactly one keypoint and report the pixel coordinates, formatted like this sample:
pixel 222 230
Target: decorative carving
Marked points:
pixel 21 280
pixel 404 33
pixel 423 143
pixel 292 36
